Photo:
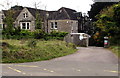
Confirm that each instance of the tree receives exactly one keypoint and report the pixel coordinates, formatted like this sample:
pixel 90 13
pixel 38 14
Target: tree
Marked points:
pixel 97 7
pixel 9 29
pixel 108 22
pixel 38 21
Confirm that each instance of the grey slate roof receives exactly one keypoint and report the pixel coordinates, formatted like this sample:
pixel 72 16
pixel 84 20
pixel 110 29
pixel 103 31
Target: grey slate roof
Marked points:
pixel 33 11
pixel 61 14
pixel 15 14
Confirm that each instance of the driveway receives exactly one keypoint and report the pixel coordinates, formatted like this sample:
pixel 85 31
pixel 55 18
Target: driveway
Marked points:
pixel 90 61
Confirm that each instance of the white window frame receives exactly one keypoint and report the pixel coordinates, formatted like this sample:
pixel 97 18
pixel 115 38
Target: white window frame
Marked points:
pixel 21 26
pixel 54 25
pixel 25 15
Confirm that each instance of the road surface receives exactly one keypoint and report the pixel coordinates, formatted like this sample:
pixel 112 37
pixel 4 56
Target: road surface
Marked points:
pixel 90 61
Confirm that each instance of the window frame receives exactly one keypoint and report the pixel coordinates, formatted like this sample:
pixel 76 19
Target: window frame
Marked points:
pixel 25 15
pixel 27 25
pixel 54 25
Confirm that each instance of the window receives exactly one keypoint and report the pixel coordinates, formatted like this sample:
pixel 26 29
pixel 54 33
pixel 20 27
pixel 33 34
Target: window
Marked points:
pixel 54 25
pixel 28 25
pixel 25 15
pixel 25 25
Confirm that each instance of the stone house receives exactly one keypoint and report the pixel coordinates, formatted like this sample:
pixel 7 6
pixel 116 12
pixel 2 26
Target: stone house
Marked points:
pixel 64 19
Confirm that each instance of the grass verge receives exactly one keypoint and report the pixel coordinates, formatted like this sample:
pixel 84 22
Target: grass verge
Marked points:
pixel 116 49
pixel 19 51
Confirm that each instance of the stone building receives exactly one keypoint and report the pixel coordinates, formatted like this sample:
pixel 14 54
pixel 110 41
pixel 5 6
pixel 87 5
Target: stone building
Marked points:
pixel 64 19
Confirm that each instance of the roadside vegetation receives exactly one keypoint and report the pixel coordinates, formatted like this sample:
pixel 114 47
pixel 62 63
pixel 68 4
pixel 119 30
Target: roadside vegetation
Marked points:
pixel 116 50
pixel 29 50
pixel 108 24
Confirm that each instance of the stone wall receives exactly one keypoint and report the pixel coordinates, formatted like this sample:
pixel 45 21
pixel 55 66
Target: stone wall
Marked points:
pixel 64 25
pixel 75 40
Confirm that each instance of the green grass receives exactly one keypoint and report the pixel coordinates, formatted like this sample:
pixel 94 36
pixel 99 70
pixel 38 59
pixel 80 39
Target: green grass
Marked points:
pixel 18 51
pixel 116 49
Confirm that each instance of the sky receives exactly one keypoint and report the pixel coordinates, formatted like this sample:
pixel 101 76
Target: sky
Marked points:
pixel 51 5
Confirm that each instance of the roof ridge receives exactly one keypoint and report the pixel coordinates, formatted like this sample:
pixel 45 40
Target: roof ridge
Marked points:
pixel 69 9
pixel 67 13
pixel 34 8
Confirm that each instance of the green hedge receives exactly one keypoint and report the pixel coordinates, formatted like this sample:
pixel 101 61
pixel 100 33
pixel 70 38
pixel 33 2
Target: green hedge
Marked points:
pixel 37 34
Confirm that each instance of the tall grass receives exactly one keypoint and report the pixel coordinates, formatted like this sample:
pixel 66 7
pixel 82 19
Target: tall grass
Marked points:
pixel 116 50
pixel 19 50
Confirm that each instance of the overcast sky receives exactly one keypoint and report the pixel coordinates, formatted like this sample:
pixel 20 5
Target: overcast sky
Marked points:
pixel 78 5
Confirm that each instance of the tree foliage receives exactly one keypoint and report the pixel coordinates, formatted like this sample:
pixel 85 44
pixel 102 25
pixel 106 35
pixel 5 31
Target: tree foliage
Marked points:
pixel 108 21
pixel 97 7
pixel 9 20
pixel 38 22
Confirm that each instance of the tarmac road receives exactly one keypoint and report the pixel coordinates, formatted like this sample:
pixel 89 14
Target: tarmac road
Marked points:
pixel 90 61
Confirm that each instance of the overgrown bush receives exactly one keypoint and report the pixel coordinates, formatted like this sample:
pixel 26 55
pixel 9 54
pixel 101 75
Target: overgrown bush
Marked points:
pixel 39 33
pixel 34 50
pixel 32 43
pixel 18 34
pixel 58 34
pixel 26 34
pixel 55 35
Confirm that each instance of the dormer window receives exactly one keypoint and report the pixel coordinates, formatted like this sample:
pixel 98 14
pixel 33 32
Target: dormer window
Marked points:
pixel 25 15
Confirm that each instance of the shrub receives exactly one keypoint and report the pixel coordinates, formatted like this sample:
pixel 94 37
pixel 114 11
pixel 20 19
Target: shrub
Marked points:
pixel 4 44
pixel 55 35
pixel 26 34
pixel 32 43
pixel 39 33
pixel 58 34
pixel 18 34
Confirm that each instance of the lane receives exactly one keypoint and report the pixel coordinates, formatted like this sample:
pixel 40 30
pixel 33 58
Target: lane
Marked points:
pixel 90 61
